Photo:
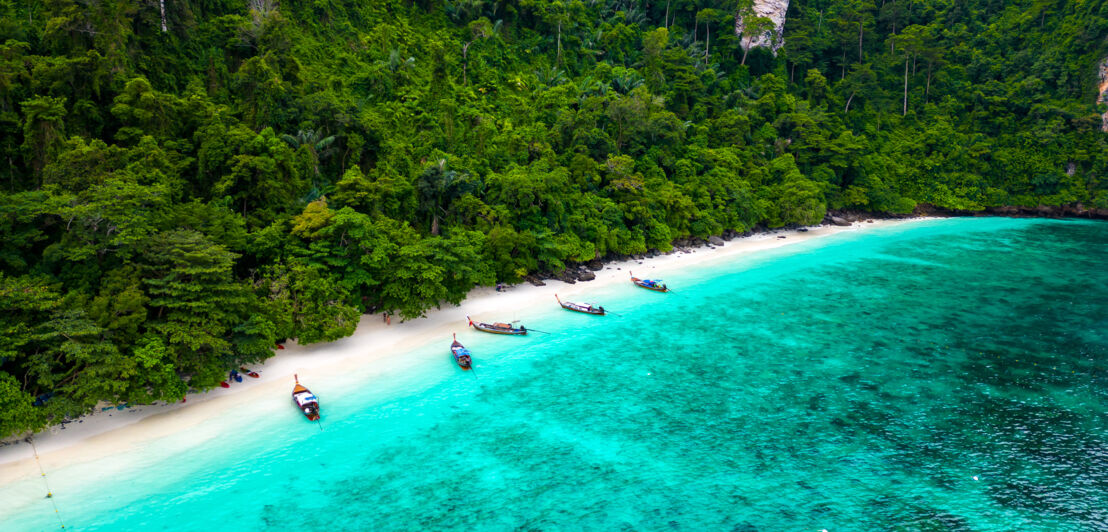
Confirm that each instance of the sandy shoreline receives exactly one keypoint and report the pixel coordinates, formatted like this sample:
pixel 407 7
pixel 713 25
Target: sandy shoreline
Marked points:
pixel 114 431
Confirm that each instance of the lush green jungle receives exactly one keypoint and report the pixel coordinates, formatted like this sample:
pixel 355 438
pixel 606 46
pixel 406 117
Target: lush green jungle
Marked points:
pixel 184 183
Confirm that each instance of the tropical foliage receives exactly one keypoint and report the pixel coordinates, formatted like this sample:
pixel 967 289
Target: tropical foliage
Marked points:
pixel 182 184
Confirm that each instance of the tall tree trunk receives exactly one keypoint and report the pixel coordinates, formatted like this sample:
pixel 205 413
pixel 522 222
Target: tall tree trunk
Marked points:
pixel 746 50
pixel 892 42
pixel 927 89
pixel 558 60
pixel 667 14
pixel 905 87
pixel 894 17
pixel 708 40
pixel 161 5
pixel 859 42
pixel 435 224
pixel 792 72
pixel 465 62
pixel 844 64
pixel 847 110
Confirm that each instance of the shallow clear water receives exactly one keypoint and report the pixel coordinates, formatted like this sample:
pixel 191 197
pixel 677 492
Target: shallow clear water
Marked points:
pixel 856 382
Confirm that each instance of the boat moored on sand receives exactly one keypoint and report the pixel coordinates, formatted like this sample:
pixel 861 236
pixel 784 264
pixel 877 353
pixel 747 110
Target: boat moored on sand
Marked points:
pixel 305 400
pixel 498 328
pixel 587 308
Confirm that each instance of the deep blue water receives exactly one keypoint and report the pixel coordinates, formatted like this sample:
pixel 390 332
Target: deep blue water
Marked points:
pixel 856 382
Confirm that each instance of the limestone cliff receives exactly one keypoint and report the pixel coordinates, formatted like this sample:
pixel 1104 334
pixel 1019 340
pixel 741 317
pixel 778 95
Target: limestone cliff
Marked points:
pixel 1103 97
pixel 772 38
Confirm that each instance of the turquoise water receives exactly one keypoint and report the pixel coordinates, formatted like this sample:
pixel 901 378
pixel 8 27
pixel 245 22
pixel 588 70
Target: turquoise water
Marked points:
pixel 855 382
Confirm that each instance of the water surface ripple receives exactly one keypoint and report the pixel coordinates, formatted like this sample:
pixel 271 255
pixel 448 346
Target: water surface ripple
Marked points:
pixel 856 383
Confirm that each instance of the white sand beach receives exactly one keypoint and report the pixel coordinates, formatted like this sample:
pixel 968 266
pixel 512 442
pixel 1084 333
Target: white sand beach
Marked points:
pixel 373 344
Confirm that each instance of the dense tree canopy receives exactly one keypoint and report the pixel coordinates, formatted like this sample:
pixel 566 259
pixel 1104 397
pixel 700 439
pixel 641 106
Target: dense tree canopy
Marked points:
pixel 180 189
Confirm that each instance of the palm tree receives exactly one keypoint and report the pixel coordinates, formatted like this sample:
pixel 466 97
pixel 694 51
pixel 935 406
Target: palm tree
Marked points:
pixel 462 10
pixel 438 187
pixel 592 44
pixel 626 82
pixel 318 147
pixel 314 141
pixel 590 87
pixel 396 62
pixel 551 77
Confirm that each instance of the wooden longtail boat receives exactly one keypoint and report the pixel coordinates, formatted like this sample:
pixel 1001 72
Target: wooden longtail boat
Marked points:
pixel 587 308
pixel 498 328
pixel 305 400
pixel 656 285
pixel 461 354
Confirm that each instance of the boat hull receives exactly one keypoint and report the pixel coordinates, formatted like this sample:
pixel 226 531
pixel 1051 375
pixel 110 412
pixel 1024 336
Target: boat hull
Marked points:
pixel 461 355
pixel 639 283
pixel 594 312
pixel 310 408
pixel 495 330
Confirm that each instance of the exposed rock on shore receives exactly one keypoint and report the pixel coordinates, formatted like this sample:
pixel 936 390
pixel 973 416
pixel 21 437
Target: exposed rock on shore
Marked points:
pixel 584 272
